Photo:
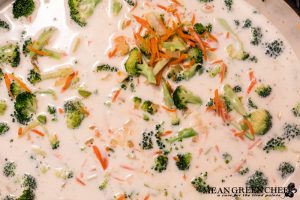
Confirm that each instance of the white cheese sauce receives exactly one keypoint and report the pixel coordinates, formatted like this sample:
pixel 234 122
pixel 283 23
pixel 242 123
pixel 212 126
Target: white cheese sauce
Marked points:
pixel 119 124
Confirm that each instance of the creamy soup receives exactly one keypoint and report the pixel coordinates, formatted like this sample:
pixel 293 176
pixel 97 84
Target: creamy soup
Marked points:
pixel 145 100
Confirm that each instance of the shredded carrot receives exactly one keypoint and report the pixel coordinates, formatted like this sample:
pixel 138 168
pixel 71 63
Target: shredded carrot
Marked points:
pixel 217 62
pixel 179 60
pixel 38 132
pixel 115 95
pixel 168 109
pixel 154 50
pixel 254 144
pixel 193 19
pixel 60 110
pixel 20 131
pixel 252 82
pixel 121 197
pixel 159 77
pixel 166 133
pixel 38 52
pixel 147 197
pixel 240 134
pixel 219 107
pixel 200 43
pixel 189 64
pixel 69 81
pixel 212 37
pixel 184 36
pixel 169 9
pixel 78 180
pixel 7 84
pixel 175 2
pixel 103 161
pixel 127 167
pixel 227 35
pixel 143 23
pixel 21 83
pixel 249 125
pixel 223 71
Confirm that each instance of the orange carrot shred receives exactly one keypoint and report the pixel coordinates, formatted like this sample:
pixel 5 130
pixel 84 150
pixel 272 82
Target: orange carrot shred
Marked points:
pixel 168 109
pixel 147 197
pixel 21 83
pixel 199 41
pixel 80 181
pixel 38 52
pixel 249 125
pixel 103 161
pixel 115 95
pixel 68 81
pixel 38 132
pixel 7 84
pixel 20 131
pixel 166 133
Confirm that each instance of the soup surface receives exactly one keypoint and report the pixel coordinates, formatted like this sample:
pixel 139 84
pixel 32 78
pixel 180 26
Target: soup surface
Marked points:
pixel 145 100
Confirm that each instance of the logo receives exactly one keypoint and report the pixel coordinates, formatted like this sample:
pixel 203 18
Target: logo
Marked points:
pixel 291 190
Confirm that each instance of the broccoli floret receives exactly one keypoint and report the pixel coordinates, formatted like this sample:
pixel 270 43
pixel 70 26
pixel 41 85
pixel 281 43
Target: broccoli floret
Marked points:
pixel 34 77
pixel 52 111
pixel 228 4
pixel 200 184
pixel 10 55
pixel 244 171
pixel 28 181
pixel 196 54
pixel 183 134
pixel 4 25
pixel 27 194
pixel 261 121
pixel 137 101
pixel 251 104
pixel 199 28
pixel 42 119
pixel 237 89
pixel 247 23
pixel 235 101
pixel 3 107
pixel 75 113
pixel 23 8
pixel 182 97
pixel 275 48
pixel 286 169
pixel 160 163
pixel 54 142
pixel 130 2
pixel 176 44
pixel 3 128
pixel 15 89
pixel 81 10
pixel 263 90
pixel 9 169
pixel 149 107
pixel 295 110
pixel 26 44
pixel 104 184
pixel 291 131
pixel 106 67
pixel 1 75
pixel 134 67
pixel 227 158
pixel 25 106
pixel 256 36
pixel 275 144
pixel 257 182
pixel 183 161
pixel 147 142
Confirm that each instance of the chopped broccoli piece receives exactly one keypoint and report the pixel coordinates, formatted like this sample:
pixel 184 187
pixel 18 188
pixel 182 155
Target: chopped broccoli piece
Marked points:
pixel 134 67
pixel 1 75
pixel 23 8
pixel 200 184
pixel 137 101
pixel 183 161
pixel 295 110
pixel 182 97
pixel 214 72
pixel 189 73
pixel 261 121
pixel 9 169
pixel 149 107
pixel 228 4
pixel 75 113
pixel 196 54
pixel 209 27
pixel 227 158
pixel 256 35
pixel 104 183
pixel 54 142
pixel 26 44
pixel 160 163
pixel 3 128
pixel 116 7
pixel 176 44
pixel 167 95
pixel 16 89
pixel 237 89
pixel 286 169
pixel 263 90
pixel 244 171
pixel 275 48
pixel 247 23
pixel 199 28
pixel 275 144
pixel 106 67
pixel 34 77
pixel 27 194
pixel 42 119
pixel 235 101
pixel 28 181
pixel 81 10
pixel 4 25
pixel 147 142
pixel 84 93
pixel 251 104
pixel 10 55
pixel 25 106
pixel 183 134
pixel 130 2
pixel 257 182
pixel 3 107
pixel 51 110
pixel 291 131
